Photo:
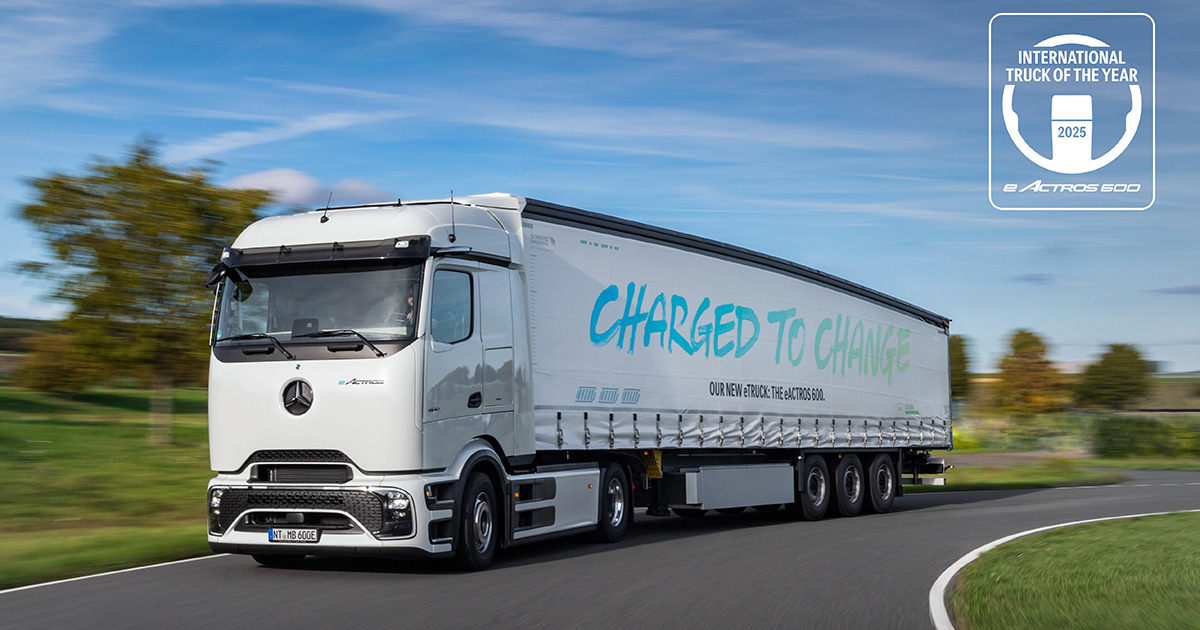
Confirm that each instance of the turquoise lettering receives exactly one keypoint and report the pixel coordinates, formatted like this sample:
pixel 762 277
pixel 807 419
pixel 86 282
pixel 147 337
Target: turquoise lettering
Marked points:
pixel 855 351
pixel 720 312
pixel 705 330
pixel 825 325
pixel 608 295
pixel 677 304
pixel 745 314
pixel 797 326
pixel 780 317
pixel 656 326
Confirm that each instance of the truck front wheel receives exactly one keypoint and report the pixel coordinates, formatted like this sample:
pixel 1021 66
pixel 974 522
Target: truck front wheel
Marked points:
pixel 848 485
pixel 477 523
pixel 615 505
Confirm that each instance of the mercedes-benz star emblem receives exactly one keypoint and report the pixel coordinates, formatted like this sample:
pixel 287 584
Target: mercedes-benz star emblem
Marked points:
pixel 297 397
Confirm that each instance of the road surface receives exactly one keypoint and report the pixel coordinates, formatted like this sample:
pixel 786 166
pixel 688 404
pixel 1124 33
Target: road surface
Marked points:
pixel 753 570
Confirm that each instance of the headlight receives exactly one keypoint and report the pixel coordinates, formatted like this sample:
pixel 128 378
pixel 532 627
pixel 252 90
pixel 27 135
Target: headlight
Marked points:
pixel 397 514
pixel 214 509
pixel 399 503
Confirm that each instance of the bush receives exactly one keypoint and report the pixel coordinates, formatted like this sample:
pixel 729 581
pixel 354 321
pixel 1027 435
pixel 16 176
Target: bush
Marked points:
pixel 1128 436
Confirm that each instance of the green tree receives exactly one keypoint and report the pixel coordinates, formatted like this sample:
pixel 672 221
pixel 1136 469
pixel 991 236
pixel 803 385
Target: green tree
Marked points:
pixel 131 244
pixel 960 368
pixel 1028 384
pixel 1120 377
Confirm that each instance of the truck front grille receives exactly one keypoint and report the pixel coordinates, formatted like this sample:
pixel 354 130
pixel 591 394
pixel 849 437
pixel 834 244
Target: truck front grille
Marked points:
pixel 364 506
pixel 301 455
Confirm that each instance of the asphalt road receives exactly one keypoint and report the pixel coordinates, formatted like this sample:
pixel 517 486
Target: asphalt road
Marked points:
pixel 753 570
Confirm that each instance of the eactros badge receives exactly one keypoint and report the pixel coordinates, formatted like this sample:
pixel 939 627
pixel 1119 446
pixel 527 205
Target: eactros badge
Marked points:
pixel 1071 111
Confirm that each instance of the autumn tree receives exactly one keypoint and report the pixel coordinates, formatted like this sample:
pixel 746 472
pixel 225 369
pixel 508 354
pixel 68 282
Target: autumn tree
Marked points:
pixel 131 244
pixel 1028 383
pixel 1120 377
pixel 960 368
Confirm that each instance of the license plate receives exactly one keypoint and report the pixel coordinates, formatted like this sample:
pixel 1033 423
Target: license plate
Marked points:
pixel 278 535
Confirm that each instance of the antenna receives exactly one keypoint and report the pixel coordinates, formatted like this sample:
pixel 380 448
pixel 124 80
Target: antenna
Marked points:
pixel 452 237
pixel 325 217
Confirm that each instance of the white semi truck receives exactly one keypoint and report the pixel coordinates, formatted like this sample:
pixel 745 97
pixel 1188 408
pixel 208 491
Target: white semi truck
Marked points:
pixel 449 377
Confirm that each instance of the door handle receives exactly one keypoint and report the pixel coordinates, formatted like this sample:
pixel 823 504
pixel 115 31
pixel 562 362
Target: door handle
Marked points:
pixel 475 400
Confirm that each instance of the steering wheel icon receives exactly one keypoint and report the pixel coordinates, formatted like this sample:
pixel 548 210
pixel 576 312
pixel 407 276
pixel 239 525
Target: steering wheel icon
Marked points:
pixel 1071 149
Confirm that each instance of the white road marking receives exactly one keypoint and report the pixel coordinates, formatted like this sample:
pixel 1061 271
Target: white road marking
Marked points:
pixel 88 577
pixel 937 594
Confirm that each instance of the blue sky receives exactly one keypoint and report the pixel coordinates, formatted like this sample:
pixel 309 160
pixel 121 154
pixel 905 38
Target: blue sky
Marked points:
pixel 850 136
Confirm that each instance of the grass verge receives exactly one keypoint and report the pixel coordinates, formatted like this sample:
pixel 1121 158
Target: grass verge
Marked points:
pixel 1130 573
pixel 45 556
pixel 1141 463
pixel 82 490
pixel 1049 474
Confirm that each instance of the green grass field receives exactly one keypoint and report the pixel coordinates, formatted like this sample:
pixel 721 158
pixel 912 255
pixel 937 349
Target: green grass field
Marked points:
pixel 1134 573
pixel 82 490
pixel 1048 474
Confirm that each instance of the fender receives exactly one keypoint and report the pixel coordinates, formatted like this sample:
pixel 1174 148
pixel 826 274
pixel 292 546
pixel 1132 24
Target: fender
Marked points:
pixel 478 452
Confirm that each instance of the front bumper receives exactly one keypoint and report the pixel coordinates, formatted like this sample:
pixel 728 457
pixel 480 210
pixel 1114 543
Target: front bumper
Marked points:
pixel 352 518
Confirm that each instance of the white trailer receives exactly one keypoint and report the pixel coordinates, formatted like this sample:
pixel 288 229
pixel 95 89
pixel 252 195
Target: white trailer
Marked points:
pixel 449 377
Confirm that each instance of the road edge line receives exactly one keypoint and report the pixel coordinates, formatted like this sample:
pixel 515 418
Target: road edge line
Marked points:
pixel 107 573
pixel 937 593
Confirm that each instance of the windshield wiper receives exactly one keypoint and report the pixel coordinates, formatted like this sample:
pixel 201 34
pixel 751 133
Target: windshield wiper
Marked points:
pixel 275 341
pixel 342 333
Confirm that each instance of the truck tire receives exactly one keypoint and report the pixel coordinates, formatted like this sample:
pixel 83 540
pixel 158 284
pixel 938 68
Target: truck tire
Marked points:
pixel 814 491
pixel 477 524
pixel 616 507
pixel 281 560
pixel 881 484
pixel 848 486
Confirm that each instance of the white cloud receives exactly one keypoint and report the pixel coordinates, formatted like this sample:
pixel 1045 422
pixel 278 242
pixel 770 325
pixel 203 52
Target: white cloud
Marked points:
pixel 296 188
pixel 41 47
pixel 642 38
pixel 227 141
pixel 655 130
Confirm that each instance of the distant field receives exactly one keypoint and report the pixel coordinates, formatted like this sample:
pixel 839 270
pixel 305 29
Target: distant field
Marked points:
pixel 1047 474
pixel 83 491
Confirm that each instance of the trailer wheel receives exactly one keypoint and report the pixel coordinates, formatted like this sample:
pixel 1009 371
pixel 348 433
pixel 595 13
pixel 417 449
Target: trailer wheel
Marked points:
pixel 881 484
pixel 616 509
pixel 689 512
pixel 812 497
pixel 280 560
pixel 477 524
pixel 848 485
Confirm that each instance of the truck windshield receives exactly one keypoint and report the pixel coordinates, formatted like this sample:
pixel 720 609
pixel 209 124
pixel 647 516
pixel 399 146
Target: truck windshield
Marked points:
pixel 293 302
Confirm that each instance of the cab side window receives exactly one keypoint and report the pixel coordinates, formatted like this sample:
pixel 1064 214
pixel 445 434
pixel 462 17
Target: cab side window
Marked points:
pixel 451 309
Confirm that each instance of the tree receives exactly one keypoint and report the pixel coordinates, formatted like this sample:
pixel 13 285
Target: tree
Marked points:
pixel 960 368
pixel 131 244
pixel 1028 384
pixel 1120 377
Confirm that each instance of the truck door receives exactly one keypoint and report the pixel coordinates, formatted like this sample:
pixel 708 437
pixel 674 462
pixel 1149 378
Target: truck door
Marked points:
pixel 496 328
pixel 454 368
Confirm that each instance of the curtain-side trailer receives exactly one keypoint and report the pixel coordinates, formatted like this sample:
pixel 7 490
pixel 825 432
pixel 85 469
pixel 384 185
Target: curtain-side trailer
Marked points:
pixel 449 377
